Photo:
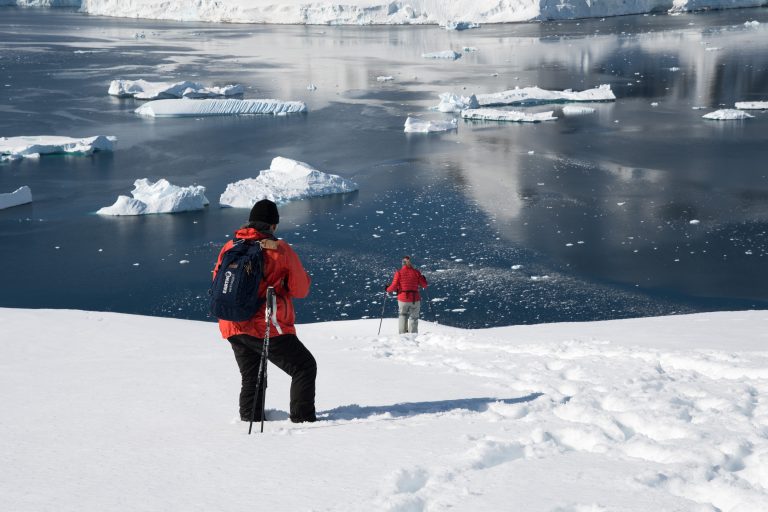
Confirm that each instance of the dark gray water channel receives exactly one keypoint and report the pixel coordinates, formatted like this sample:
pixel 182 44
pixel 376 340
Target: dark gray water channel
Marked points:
pixel 582 218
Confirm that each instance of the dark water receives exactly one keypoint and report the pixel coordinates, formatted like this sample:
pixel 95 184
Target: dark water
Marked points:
pixel 584 218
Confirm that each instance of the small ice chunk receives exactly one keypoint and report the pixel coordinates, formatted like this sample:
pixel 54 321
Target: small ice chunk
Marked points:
pixel 538 95
pixel 158 197
pixel 285 180
pixel 752 24
pixel 219 107
pixel 655 104
pixel 384 78
pixel 414 125
pixel 460 25
pixel 752 105
pixel 572 110
pixel 674 68
pixel 21 195
pixel 13 148
pixel 144 90
pixel 727 114
pixel 311 87
pixel 712 49
pixel 451 103
pixel 468 49
pixel 448 55
pixel 183 262
pixel 694 221
pixel 492 114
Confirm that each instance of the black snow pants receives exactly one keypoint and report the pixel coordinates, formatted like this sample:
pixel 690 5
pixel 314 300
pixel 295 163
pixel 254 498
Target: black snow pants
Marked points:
pixel 289 354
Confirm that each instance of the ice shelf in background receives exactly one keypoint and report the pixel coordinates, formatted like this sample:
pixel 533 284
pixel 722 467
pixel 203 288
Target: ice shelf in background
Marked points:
pixel 144 90
pixel 492 114
pixel 415 125
pixel 158 197
pixel 14 148
pixel 285 180
pixel 219 107
pixel 21 195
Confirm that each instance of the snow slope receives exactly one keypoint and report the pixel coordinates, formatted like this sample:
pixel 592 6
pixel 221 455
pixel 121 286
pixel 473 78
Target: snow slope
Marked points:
pixel 363 12
pixel 114 412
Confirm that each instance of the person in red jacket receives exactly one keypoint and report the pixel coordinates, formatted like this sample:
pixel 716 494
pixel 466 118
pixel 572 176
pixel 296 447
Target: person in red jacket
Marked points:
pixel 283 271
pixel 406 283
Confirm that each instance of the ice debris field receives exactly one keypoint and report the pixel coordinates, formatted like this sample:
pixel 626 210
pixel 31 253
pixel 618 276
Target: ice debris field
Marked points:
pixel 653 414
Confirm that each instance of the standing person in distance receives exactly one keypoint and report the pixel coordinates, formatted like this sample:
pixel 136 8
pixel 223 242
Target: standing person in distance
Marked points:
pixel 283 271
pixel 406 283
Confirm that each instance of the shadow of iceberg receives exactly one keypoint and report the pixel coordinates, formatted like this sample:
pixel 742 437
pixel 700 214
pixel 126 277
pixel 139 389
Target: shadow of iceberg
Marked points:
pixel 407 409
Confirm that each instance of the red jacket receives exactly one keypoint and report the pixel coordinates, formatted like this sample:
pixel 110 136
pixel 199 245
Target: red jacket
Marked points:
pixel 406 283
pixel 283 271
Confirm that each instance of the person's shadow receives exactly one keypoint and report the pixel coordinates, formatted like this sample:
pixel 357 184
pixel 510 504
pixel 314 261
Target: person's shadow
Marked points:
pixel 358 412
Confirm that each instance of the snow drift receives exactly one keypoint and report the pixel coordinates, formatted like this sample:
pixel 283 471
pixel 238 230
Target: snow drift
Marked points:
pixel 158 197
pixel 285 180
pixel 21 195
pixel 14 148
pixel 144 90
pixel 219 107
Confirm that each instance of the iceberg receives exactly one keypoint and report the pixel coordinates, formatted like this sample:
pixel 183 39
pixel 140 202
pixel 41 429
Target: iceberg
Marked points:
pixel 572 110
pixel 219 107
pixel 491 114
pixel 414 125
pixel 158 197
pixel 448 55
pixel 21 195
pixel 15 148
pixel 727 114
pixel 285 180
pixel 144 90
pixel 450 103
pixel 460 25
pixel 752 105
pixel 384 78
pixel 518 96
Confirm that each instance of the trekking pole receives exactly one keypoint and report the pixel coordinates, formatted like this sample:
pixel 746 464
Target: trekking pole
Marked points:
pixel 263 364
pixel 386 296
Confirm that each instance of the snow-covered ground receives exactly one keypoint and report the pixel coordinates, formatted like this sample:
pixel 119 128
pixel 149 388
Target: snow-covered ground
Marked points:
pixel 21 195
pixel 157 197
pixel 453 14
pixel 219 107
pixel 285 180
pixel 106 411
pixel 15 148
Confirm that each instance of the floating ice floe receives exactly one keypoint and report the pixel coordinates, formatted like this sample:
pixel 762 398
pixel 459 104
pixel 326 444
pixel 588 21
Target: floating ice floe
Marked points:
pixel 752 24
pixel 538 95
pixel 727 114
pixel 571 110
pixel 14 148
pixel 450 103
pixel 219 107
pixel 460 25
pixel 158 197
pixel 144 90
pixel 414 125
pixel 492 114
pixel 384 78
pixel 285 180
pixel 21 195
pixel 752 105
pixel 448 55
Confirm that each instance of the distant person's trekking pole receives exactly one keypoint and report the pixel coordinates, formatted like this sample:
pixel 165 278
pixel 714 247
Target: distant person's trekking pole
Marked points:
pixel 386 296
pixel 263 364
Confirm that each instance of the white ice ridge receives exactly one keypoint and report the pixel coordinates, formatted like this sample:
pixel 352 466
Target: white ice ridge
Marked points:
pixel 144 90
pixel 219 107
pixel 21 195
pixel 727 114
pixel 389 12
pixel 285 180
pixel 157 197
pixel 450 103
pixel 752 105
pixel 518 96
pixel 448 55
pixel 492 114
pixel 14 148
pixel 414 125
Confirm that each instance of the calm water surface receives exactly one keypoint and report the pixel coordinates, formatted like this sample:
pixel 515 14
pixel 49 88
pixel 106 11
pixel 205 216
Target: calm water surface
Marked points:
pixel 583 218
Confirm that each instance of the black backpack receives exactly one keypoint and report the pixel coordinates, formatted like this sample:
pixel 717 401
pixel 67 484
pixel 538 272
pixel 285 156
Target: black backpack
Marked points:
pixel 235 290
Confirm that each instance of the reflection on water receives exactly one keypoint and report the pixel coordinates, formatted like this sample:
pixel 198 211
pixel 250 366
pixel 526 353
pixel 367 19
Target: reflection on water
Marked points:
pixel 640 208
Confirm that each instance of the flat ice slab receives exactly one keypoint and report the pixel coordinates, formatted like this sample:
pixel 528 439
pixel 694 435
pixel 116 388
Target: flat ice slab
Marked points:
pixel 21 195
pixel 492 114
pixel 448 55
pixel 450 102
pixel 285 180
pixel 414 125
pixel 144 90
pixel 537 95
pixel 14 148
pixel 219 107
pixel 727 114
pixel 573 110
pixel 752 105
pixel 157 197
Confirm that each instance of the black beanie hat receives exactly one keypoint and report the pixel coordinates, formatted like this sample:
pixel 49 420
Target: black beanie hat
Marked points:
pixel 264 211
